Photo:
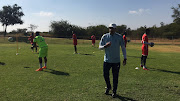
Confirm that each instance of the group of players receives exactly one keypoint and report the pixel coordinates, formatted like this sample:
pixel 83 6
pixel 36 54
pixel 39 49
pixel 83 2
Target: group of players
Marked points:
pixel 110 42
pixel 43 51
pixel 75 42
pixel 44 47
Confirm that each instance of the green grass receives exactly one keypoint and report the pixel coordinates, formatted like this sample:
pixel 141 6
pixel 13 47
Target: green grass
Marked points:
pixel 79 77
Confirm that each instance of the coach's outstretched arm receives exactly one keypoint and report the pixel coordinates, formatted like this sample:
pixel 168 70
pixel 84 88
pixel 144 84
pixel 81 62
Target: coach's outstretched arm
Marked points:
pixel 123 49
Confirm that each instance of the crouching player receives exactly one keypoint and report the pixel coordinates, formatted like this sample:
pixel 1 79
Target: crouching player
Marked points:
pixel 43 50
pixel 145 49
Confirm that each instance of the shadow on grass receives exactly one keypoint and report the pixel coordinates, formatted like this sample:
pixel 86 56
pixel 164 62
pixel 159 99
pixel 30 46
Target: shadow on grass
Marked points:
pixel 124 98
pixel 27 67
pixel 164 43
pixel 138 57
pixel 86 54
pixel 57 72
pixel 2 63
pixel 161 70
pixel 134 56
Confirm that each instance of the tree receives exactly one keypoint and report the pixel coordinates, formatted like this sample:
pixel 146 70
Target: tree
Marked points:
pixel 128 30
pixel 176 14
pixel 10 15
pixel 32 27
pixel 137 34
pixel 121 29
pixel 98 31
pixel 162 24
pixel 61 28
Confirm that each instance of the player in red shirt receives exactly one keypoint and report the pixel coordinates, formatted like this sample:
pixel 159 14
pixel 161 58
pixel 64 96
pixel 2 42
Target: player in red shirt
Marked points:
pixel 75 42
pixel 125 39
pixel 145 49
pixel 31 41
pixel 93 40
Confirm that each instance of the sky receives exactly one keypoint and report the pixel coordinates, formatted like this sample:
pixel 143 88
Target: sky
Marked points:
pixel 84 13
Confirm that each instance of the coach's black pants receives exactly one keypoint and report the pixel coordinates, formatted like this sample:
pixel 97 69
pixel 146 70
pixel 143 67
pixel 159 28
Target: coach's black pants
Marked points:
pixel 115 72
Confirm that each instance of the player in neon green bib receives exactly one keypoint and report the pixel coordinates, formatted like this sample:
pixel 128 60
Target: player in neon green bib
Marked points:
pixel 43 50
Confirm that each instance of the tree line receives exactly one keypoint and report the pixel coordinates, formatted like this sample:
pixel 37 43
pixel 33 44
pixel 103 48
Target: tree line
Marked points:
pixel 11 15
pixel 64 29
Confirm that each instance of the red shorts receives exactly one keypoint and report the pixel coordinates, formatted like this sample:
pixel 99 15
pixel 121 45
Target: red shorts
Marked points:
pixel 93 41
pixel 145 51
pixel 75 42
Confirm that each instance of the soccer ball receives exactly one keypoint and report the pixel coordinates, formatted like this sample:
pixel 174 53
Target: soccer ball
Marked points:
pixel 10 39
pixel 137 68
pixel 151 44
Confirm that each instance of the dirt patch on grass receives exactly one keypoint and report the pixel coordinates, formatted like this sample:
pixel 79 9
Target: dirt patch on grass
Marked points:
pixel 161 45
pixel 158 48
pixel 166 48
pixel 161 41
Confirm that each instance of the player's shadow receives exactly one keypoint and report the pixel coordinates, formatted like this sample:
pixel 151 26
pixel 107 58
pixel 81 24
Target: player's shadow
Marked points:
pixel 86 54
pixel 134 56
pixel 162 44
pixel 138 57
pixel 2 63
pixel 57 72
pixel 124 98
pixel 27 67
pixel 121 98
pixel 161 70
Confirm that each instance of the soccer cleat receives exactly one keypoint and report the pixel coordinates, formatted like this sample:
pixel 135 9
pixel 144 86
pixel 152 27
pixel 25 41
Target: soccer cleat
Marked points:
pixel 44 67
pixel 114 94
pixel 40 69
pixel 145 68
pixel 141 65
pixel 107 91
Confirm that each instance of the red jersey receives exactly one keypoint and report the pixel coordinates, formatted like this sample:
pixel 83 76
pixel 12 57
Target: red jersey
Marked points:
pixel 144 46
pixel 31 39
pixel 125 40
pixel 74 39
pixel 93 38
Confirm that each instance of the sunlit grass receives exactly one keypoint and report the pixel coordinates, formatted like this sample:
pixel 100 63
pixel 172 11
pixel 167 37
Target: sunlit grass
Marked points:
pixel 79 77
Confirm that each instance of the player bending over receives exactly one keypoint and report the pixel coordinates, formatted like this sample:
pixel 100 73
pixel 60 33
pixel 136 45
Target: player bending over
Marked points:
pixel 43 50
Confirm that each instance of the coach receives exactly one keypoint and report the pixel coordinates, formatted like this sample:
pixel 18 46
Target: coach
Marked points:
pixel 111 42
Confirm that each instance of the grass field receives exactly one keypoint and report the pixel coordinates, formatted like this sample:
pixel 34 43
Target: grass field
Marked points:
pixel 79 77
